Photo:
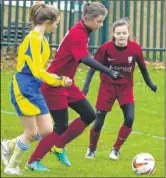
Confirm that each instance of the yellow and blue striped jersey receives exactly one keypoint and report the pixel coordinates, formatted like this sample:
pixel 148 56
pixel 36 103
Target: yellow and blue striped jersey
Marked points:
pixel 33 54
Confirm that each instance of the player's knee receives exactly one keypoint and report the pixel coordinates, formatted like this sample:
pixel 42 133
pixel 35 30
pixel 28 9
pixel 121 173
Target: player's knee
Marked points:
pixel 98 125
pixel 88 117
pixel 60 128
pixel 30 135
pixel 129 121
pixel 99 121
pixel 47 131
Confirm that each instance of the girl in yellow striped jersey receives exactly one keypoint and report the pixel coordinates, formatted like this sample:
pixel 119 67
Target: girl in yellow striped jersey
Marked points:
pixel 26 97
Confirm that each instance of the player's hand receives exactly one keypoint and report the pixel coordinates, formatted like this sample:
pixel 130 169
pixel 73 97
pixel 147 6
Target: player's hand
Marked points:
pixel 153 87
pixel 68 82
pixel 115 75
pixel 85 90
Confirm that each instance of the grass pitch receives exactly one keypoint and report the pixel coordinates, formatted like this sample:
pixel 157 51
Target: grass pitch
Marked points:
pixel 147 135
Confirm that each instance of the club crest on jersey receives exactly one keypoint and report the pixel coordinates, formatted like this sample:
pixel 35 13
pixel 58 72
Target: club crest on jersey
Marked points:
pixel 130 58
pixel 109 59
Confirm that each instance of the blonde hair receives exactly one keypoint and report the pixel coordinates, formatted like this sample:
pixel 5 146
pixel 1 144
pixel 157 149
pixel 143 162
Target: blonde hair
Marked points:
pixel 41 12
pixel 93 10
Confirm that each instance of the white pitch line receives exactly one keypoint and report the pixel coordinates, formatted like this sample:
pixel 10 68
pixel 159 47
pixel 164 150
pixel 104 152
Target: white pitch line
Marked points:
pixel 134 132
pixel 8 112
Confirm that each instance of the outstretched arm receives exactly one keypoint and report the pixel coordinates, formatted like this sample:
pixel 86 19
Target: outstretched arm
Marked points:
pixel 147 79
pixel 88 80
pixel 141 63
pixel 115 75
pixel 81 54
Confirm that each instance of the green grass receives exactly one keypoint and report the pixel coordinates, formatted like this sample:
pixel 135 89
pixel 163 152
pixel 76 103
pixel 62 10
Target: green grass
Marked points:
pixel 149 121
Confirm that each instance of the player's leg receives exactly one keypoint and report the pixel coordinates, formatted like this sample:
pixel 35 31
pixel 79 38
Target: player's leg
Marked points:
pixel 22 145
pixel 87 116
pixel 81 105
pixel 95 133
pixel 45 127
pixel 125 130
pixel 105 101
pixel 58 107
pixel 7 148
pixel 60 118
pixel 126 101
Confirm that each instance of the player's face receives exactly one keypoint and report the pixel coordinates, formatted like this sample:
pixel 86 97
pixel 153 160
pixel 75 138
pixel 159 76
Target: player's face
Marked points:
pixel 96 23
pixel 121 35
pixel 51 27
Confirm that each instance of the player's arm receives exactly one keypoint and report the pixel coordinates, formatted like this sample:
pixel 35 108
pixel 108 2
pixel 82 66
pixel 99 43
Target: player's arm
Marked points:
pixel 115 75
pixel 142 66
pixel 38 68
pixel 88 80
pixel 99 56
pixel 81 54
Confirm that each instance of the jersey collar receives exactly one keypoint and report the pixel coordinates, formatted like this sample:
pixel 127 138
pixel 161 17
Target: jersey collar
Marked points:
pixel 88 30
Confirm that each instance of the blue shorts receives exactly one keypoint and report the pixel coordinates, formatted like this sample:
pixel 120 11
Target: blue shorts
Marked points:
pixel 26 96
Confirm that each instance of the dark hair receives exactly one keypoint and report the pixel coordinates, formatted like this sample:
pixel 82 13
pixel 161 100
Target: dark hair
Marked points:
pixel 120 22
pixel 41 12
pixel 93 10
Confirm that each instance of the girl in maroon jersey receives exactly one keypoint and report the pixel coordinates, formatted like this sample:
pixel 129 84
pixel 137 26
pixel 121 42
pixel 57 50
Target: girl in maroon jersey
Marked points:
pixel 120 54
pixel 72 51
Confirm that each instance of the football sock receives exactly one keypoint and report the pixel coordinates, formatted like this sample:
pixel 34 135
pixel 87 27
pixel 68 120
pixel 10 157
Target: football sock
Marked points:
pixel 17 156
pixel 37 137
pixel 122 136
pixel 46 144
pixel 94 137
pixel 11 144
pixel 44 147
pixel 73 130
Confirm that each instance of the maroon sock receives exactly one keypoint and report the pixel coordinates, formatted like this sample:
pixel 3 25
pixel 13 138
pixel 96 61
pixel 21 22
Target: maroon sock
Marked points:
pixel 73 130
pixel 122 136
pixel 94 138
pixel 44 146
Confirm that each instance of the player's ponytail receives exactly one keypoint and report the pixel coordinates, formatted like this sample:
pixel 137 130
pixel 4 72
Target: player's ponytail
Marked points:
pixel 93 10
pixel 41 12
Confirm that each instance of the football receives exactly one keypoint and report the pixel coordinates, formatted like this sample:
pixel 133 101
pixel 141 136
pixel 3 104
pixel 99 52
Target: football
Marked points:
pixel 143 163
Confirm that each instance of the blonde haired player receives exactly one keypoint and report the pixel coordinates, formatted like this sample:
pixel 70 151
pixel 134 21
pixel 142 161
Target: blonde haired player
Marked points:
pixel 26 97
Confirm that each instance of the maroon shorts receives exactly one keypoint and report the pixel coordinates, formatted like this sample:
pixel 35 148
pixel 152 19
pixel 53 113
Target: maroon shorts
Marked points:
pixel 108 93
pixel 58 98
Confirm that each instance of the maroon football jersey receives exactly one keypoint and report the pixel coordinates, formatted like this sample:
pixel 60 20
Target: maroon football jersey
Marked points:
pixel 72 48
pixel 122 60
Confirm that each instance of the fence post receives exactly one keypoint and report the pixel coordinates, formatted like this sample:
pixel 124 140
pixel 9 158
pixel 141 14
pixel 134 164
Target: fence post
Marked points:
pixel 127 8
pixel 80 10
pixel 106 25
pixel 71 19
pixel 155 29
pixel 23 19
pixel 135 20
pixel 161 28
pixel 65 19
pixel 121 8
pixel 58 27
pixel 2 18
pixel 148 29
pixel 141 22
pixel 114 11
pixel 9 21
